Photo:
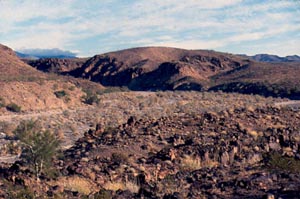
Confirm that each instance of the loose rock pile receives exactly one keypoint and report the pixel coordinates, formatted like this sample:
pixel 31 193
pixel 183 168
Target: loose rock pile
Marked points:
pixel 239 153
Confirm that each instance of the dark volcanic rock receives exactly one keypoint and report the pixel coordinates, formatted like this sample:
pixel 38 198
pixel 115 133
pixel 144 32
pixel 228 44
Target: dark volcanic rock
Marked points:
pixel 156 68
pixel 230 160
pixel 56 65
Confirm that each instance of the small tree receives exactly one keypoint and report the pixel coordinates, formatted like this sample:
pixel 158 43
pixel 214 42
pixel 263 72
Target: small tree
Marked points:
pixel 38 147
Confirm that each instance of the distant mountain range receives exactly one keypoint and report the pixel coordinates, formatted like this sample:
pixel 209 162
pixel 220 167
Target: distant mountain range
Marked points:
pixel 45 53
pixel 273 58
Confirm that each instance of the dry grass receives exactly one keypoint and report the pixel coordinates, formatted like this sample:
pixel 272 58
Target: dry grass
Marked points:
pixel 115 186
pixel 190 163
pixel 132 187
pixel 76 183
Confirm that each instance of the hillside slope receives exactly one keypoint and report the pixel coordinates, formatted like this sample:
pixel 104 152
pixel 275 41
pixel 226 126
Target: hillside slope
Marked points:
pixel 156 68
pixel 31 89
pixel 56 65
pixel 11 67
pixel 268 79
pixel 162 68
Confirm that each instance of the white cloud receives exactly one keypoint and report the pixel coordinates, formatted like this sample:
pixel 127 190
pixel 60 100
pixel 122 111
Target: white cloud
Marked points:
pixel 18 10
pixel 191 44
pixel 270 32
pixel 54 52
pixel 39 40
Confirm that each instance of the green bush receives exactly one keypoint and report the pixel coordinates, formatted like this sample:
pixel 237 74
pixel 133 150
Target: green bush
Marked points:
pixel 18 192
pixel 38 147
pixel 90 98
pixel 2 102
pixel 13 107
pixel 277 162
pixel 60 94
pixel 119 158
pixel 103 194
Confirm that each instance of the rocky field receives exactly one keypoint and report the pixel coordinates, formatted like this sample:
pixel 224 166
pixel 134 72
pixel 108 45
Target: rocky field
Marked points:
pixel 164 145
pixel 65 135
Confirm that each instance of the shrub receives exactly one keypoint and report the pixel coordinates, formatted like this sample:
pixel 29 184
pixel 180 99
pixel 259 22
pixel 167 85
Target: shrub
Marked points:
pixel 38 147
pixel 13 107
pixel 18 192
pixel 103 194
pixel 90 98
pixel 119 158
pixel 2 102
pixel 60 94
pixel 277 162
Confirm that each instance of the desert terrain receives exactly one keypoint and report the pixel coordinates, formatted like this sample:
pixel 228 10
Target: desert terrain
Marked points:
pixel 152 122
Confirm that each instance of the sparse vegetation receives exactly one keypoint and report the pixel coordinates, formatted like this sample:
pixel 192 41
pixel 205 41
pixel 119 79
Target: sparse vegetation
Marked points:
pixel 76 183
pixel 119 157
pixel 13 107
pixel 60 94
pixel 175 144
pixel 2 102
pixel 103 194
pixel 190 163
pixel 18 192
pixel 38 147
pixel 114 186
pixel 279 163
pixel 114 89
pixel 171 148
pixel 90 97
pixel 72 88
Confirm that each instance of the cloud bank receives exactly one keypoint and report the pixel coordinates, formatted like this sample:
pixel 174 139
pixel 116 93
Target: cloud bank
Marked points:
pixel 55 52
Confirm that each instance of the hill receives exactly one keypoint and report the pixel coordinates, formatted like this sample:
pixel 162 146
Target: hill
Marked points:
pixel 156 68
pixel 11 67
pixel 25 88
pixel 161 68
pixel 274 58
pixel 267 79
pixel 150 68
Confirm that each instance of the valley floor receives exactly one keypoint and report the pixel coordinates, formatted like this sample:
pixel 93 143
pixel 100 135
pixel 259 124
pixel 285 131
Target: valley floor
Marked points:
pixel 166 145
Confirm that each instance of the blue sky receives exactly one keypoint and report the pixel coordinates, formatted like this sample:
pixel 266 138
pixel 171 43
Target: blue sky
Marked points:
pixel 96 26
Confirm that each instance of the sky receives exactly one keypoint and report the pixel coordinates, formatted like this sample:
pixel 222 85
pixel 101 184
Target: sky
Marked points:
pixel 97 26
